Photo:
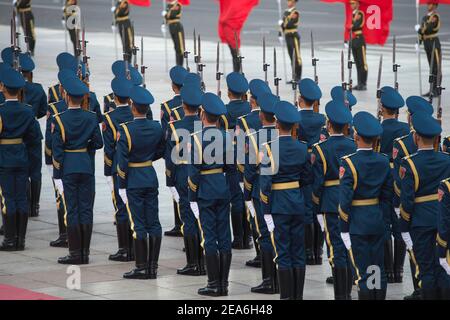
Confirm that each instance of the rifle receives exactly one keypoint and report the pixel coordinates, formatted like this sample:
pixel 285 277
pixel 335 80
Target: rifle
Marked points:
pixel 350 63
pixel 281 39
pixel 186 55
pixel 218 73
pixel 85 103
pixel 238 52
pixel 14 43
pixel 276 80
pixel 265 64
pixel 431 78
pixel 314 64
pixel 294 81
pixel 200 65
pixel 134 49
pixel 143 67
pixel 379 111
pixel 395 66
pixel 344 84
pixel 439 99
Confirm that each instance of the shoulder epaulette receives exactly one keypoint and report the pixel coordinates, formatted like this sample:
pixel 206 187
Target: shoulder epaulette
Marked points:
pixel 176 108
pixel 348 156
pixel 269 142
pixel 402 137
pixel 59 113
pixel 196 132
pixel 410 156
pixel 241 117
pixel 173 121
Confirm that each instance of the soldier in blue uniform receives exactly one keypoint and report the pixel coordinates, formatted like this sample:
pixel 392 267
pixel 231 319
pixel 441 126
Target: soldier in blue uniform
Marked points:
pixel 251 123
pixel 285 171
pixel 75 135
pixel 337 93
pixel 394 253
pixel 309 131
pixel 209 195
pixel 111 124
pixel 19 134
pixel 420 175
pixel 237 107
pixel 402 147
pixel 365 188
pixel 325 159
pixel 446 144
pixel 177 176
pixel 254 141
pixel 141 142
pixel 177 76
pixel 443 239
pixel 64 60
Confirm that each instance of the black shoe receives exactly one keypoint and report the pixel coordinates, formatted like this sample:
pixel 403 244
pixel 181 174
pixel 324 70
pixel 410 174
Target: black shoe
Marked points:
pixel 429 293
pixel 340 283
pixel 309 244
pixel 74 238
pixel 213 287
pixel 415 295
pixel 318 243
pixel 238 231
pixel 399 260
pixel 61 242
pixel 286 282
pixel 426 94
pixel 35 195
pixel 365 295
pixel 2 230
pixel 10 240
pixel 224 271
pixel 329 280
pixel 86 235
pixel 123 239
pixel 192 267
pixel 141 254
pixel 299 277
pixel 22 223
pixel 380 294
pixel 269 275
pixel 389 261
pixel 154 247
pixel 176 230
pixel 255 262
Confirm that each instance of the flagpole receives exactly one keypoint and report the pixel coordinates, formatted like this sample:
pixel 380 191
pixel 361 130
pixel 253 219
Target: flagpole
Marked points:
pixel 419 63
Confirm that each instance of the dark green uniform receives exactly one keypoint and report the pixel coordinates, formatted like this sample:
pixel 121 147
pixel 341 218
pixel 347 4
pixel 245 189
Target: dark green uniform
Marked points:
pixel 289 27
pixel 73 32
pixel 121 17
pixel 176 30
pixel 359 48
pixel 23 8
pixel 428 34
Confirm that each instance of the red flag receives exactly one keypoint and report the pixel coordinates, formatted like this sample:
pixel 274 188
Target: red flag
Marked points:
pixel 425 2
pixel 184 2
pixel 140 3
pixel 233 14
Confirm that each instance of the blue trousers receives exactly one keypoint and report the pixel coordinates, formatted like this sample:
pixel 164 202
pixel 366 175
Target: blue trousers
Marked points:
pixel 142 208
pixel 337 253
pixel 288 240
pixel 424 247
pixel 35 161
pixel 13 184
pixel 78 197
pixel 366 251
pixel 190 225
pixel 215 225
pixel 237 197
pixel 309 208
pixel 121 214
pixel 259 224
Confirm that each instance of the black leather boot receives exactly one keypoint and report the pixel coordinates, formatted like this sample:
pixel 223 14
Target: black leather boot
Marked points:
pixel 201 260
pixel 123 239
pixel 10 240
pixel 176 230
pixel 429 293
pixel 86 235
pixel 268 268
pixel 399 260
pixel 35 195
pixel 22 223
pixel 364 295
pixel 61 242
pixel 309 244
pixel 350 282
pixel 286 283
pixel 299 276
pixel 389 261
pixel 154 246
pixel 2 230
pixel 318 243
pixel 247 236
pixel 380 294
pixel 74 238
pixel 329 280
pixel 192 267
pixel 213 271
pixel 256 261
pixel 415 295
pixel 238 231
pixel 340 283
pixel 444 294
pixel 141 254
pixel 224 271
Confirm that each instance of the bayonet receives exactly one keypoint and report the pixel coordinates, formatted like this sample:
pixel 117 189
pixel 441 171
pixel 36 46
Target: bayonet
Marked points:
pixel 431 78
pixel 238 52
pixel 350 63
pixel 134 49
pixel 294 77
pixel 395 66
pixel 380 68
pixel 143 67
pixel 218 73
pixel 439 99
pixel 195 50
pixel 200 65
pixel 314 59
pixel 186 55
pixel 84 51
pixel 15 43
pixel 344 84
pixel 265 64
pixel 276 80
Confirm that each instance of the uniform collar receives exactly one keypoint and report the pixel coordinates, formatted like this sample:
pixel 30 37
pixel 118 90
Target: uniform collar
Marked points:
pixel 364 149
pixel 256 109
pixel 269 126
pixel 11 100
pixel 140 118
pixel 122 106
pixel 426 149
pixel 74 108
pixel 337 135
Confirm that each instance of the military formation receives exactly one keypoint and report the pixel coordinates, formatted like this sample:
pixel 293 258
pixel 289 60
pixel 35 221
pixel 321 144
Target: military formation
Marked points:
pixel 256 172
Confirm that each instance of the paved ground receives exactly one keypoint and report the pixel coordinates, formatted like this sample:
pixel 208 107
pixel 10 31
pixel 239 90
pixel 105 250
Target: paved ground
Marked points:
pixel 36 268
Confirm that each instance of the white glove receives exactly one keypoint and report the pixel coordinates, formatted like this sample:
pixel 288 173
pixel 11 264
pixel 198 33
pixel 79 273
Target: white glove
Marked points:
pixel 241 184
pixel 397 212
pixel 175 194
pixel 63 22
pixel 408 241
pixel 59 186
pixel 345 236
pixel 269 222
pixel 321 222
pixel 250 208
pixel 109 181
pixel 444 264
pixel 163 28
pixel 50 170
pixel 417 47
pixel 113 27
pixel 163 13
pixel 195 209
pixel 280 22
pixel 123 195
pixel 417 27
pixel 281 39
pixel 345 45
pixel 113 9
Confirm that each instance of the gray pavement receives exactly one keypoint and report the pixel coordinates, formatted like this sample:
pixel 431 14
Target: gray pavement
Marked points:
pixel 36 267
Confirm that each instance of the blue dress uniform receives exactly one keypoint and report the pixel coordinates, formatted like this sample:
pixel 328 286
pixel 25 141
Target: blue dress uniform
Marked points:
pixel 177 160
pixel 402 147
pixel 446 144
pixel 246 125
pixel 64 60
pixel 325 160
pixel 443 239
pixel 254 141
pixel 19 134
pixel 140 143
pixel 309 131
pixel 238 86
pixel 111 124
pixel 337 93
pixel 209 195
pixel 420 175
pixel 287 170
pixel 365 188
pixel 394 254
pixel 170 111
pixel 75 134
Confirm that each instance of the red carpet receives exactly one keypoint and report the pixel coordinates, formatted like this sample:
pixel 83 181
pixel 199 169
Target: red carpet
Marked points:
pixel 14 293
